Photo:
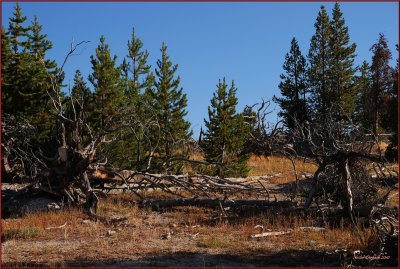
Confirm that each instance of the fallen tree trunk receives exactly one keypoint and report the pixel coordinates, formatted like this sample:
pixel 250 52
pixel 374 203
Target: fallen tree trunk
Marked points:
pixel 304 229
pixel 212 203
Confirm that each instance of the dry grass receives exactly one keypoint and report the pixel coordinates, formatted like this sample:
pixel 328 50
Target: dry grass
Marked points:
pixel 194 230
pixel 272 165
pixel 281 168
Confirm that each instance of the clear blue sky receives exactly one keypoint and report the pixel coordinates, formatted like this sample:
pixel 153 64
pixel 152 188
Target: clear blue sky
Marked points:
pixel 246 42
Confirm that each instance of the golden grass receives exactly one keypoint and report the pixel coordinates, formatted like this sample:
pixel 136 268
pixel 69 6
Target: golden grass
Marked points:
pixel 191 228
pixel 260 166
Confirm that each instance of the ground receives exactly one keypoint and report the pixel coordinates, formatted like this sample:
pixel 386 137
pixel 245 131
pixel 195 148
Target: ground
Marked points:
pixel 183 236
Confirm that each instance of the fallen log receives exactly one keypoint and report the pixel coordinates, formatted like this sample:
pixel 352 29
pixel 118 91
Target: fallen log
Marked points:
pixel 212 203
pixel 304 229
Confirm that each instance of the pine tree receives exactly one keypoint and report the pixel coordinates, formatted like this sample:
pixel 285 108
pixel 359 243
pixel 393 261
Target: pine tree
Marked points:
pixel 137 77
pixel 389 118
pixel 140 80
pixel 18 32
pixel 25 68
pixel 293 88
pixel 170 104
pixel 39 84
pixel 362 113
pixel 342 72
pixel 81 94
pixel 226 133
pixel 6 82
pixel 319 71
pixel 108 85
pixel 381 79
pixel 139 67
pixel 79 104
pixel 19 65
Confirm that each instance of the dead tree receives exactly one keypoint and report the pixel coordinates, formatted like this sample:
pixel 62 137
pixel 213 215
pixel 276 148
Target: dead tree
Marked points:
pixel 342 156
pixel 19 158
pixel 264 138
pixel 65 174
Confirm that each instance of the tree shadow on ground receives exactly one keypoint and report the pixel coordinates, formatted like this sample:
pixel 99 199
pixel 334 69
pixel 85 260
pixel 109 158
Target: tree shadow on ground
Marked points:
pixel 189 259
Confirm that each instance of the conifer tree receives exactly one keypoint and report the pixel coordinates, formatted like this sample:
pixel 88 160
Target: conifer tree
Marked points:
pixel 6 61
pixel 319 72
pixel 18 32
pixel 39 84
pixel 389 118
pixel 107 82
pixel 19 65
pixel 80 92
pixel 79 104
pixel 137 77
pixel 140 80
pixel 225 133
pixel 25 72
pixel 342 71
pixel 381 79
pixel 293 88
pixel 138 64
pixel 170 105
pixel 362 113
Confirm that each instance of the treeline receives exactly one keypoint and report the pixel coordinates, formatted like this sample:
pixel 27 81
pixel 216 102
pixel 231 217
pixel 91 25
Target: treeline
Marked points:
pixel 142 109
pixel 326 86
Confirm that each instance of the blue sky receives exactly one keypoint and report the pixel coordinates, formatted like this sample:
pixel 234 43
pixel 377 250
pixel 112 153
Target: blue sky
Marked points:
pixel 246 42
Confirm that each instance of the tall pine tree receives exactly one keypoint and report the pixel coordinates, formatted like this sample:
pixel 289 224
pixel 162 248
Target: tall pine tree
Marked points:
pixel 39 82
pixel 389 117
pixel 293 88
pixel 137 77
pixel 18 67
pixel 170 105
pixel 26 74
pixel 226 133
pixel 108 85
pixel 319 71
pixel 362 113
pixel 381 80
pixel 342 54
pixel 6 82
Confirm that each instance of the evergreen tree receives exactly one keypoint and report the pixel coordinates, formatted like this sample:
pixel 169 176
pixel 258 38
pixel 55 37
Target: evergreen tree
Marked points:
pixel 6 82
pixel 18 32
pixel 381 79
pixel 139 67
pixel 108 85
pixel 342 72
pixel 38 82
pixel 319 71
pixel 19 65
pixel 137 77
pixel 362 113
pixel 81 94
pixel 293 88
pixel 226 133
pixel 80 104
pixel 389 118
pixel 170 105
pixel 25 71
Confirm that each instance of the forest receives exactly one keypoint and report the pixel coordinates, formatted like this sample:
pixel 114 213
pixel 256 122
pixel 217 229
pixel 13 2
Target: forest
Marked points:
pixel 111 160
